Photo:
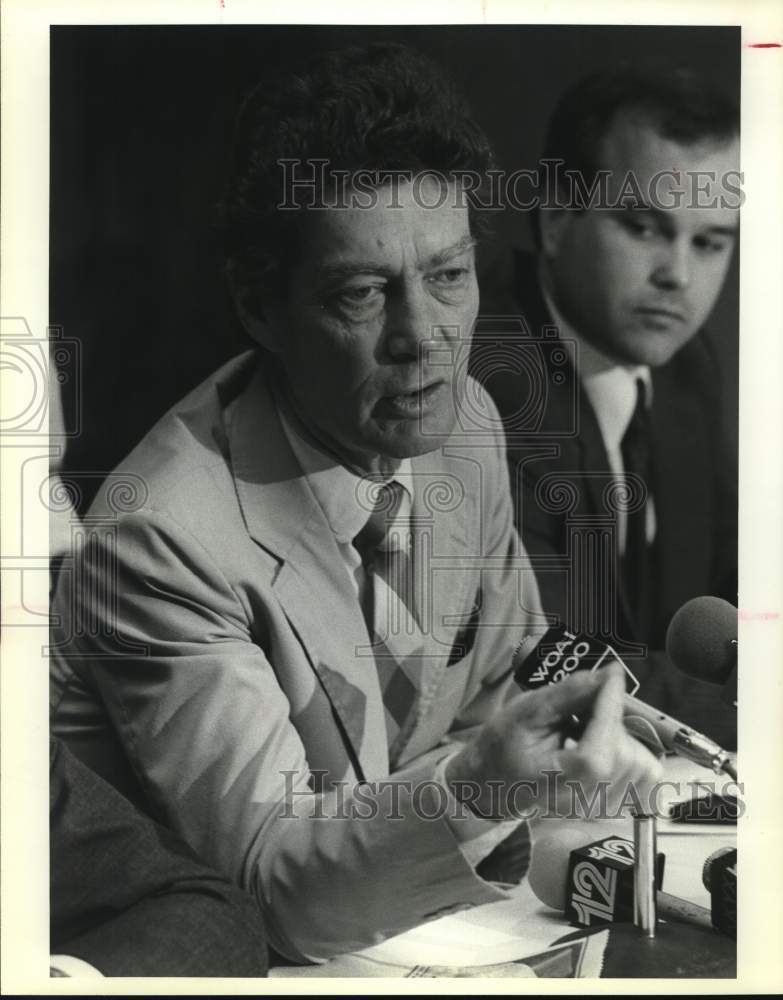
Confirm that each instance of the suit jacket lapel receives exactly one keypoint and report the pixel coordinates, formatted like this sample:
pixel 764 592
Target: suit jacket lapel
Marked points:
pixel 594 460
pixel 445 514
pixel 583 454
pixel 311 582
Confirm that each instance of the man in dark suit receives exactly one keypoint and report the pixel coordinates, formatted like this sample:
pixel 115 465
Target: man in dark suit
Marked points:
pixel 625 486
pixel 128 898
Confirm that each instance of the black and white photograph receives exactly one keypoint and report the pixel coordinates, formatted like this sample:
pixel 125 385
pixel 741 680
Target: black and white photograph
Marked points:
pixel 392 561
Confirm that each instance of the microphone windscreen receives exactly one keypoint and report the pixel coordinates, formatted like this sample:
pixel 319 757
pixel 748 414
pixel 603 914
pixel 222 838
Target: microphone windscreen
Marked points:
pixel 700 637
pixel 706 872
pixel 548 875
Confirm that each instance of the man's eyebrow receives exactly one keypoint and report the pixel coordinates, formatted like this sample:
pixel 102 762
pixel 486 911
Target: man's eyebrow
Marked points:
pixel 332 272
pixel 723 230
pixel 443 256
pixel 346 269
pixel 643 208
pixel 664 215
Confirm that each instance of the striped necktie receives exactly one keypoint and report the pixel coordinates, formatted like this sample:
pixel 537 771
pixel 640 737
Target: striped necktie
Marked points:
pixel 389 605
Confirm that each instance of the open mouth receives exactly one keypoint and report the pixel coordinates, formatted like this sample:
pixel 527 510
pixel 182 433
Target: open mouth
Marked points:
pixel 414 402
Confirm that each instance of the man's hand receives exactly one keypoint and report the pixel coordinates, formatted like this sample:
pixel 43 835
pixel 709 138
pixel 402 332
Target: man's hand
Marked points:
pixel 523 751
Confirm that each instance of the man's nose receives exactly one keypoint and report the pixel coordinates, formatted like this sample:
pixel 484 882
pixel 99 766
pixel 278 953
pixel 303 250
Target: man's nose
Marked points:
pixel 411 320
pixel 672 269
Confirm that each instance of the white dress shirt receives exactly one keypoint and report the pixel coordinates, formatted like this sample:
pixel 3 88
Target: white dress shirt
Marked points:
pixel 611 391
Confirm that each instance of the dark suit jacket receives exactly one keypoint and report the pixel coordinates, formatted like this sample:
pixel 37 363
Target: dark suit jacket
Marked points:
pixel 564 500
pixel 130 898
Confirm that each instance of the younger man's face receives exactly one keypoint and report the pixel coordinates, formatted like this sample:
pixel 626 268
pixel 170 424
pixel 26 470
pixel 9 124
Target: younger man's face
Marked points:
pixel 638 284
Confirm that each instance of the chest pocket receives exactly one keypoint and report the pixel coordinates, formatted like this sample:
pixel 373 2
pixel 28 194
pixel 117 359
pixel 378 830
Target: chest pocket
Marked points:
pixel 466 635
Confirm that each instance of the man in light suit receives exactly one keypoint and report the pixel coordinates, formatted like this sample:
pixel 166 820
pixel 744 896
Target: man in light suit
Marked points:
pixel 223 650
pixel 612 311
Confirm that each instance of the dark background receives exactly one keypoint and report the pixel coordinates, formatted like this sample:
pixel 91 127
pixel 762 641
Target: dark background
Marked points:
pixel 141 126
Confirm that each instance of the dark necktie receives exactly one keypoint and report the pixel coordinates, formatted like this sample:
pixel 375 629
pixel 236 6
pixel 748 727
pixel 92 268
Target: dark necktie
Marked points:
pixel 636 563
pixel 389 606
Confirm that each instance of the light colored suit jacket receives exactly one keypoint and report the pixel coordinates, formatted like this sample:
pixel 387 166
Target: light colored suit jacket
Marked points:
pixel 210 642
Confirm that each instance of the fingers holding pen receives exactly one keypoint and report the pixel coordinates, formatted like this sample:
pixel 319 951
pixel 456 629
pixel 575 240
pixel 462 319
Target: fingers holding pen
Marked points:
pixel 607 753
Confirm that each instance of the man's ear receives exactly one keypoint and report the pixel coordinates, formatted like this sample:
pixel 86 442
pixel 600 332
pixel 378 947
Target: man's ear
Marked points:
pixel 261 324
pixel 552 225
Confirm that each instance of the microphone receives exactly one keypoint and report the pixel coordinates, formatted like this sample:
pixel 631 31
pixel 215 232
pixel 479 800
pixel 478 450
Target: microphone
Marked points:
pixel 591 881
pixel 701 641
pixel 719 877
pixel 562 652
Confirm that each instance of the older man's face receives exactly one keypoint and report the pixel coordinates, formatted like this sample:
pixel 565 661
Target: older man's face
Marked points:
pixel 371 287
pixel 638 284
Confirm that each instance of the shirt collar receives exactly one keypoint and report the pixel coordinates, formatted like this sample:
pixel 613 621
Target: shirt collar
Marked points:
pixel 342 493
pixel 610 387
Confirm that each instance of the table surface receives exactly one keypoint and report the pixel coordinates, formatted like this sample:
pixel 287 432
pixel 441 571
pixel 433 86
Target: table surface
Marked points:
pixel 522 925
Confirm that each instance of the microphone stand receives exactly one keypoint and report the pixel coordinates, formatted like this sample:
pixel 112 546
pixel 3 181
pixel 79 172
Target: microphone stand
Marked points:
pixel 645 890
